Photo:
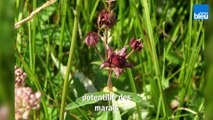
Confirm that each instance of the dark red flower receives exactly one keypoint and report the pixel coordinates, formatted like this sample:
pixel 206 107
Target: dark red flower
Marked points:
pixel 117 61
pixel 136 45
pixel 106 18
pixel 91 39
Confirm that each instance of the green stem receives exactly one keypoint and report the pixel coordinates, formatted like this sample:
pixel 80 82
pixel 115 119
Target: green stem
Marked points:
pixel 154 55
pixel 99 54
pixel 132 84
pixel 30 47
pixel 63 20
pixel 33 38
pixel 201 107
pixel 73 39
pixel 93 10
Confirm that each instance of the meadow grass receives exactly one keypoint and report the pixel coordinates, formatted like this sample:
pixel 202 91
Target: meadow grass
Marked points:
pixel 170 66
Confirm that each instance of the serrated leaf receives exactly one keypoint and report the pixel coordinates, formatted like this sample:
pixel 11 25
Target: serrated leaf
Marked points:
pixel 79 102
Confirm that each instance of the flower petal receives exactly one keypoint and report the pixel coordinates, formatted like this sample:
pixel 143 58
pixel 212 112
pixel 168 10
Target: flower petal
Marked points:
pixel 109 51
pixel 122 52
pixel 103 38
pixel 117 71
pixel 105 64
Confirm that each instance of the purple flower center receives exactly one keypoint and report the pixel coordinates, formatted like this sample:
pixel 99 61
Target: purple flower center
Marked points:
pixel 118 61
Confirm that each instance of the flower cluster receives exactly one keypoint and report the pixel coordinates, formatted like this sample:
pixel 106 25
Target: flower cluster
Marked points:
pixel 25 99
pixel 114 60
pixel 117 60
pixel 19 77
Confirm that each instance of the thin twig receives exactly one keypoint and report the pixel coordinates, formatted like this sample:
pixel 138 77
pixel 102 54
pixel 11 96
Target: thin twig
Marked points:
pixel 36 11
pixel 99 54
pixel 186 109
pixel 130 53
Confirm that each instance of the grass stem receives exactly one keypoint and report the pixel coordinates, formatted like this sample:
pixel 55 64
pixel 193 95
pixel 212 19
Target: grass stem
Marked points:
pixel 149 29
pixel 73 39
pixel 132 84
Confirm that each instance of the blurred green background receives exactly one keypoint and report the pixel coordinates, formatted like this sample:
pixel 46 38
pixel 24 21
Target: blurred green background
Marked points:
pixel 7 59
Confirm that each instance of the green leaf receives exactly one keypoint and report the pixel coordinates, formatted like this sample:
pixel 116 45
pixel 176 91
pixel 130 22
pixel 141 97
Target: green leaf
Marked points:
pixel 134 97
pixel 97 62
pixel 79 102
pixel 45 14
pixel 102 115
pixel 116 113
pixel 174 58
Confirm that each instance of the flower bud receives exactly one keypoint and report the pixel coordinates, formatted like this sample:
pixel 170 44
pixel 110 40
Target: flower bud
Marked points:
pixel 174 104
pixel 20 76
pixel 136 45
pixel 38 95
pixel 91 39
pixel 26 115
pixel 106 18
